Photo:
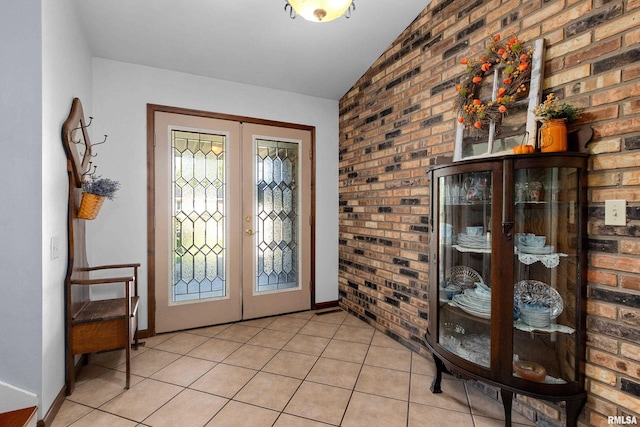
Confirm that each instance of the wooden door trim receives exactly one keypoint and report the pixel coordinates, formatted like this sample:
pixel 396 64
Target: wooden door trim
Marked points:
pixel 151 278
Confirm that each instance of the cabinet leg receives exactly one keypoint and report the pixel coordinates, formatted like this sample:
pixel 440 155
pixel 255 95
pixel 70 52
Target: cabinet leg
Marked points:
pixel 507 399
pixel 440 368
pixel 573 411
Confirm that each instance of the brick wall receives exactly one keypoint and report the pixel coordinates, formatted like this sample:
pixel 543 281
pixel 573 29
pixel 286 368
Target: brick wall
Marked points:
pixel 398 118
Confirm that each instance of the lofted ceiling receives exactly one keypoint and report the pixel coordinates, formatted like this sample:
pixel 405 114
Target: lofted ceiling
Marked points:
pixel 247 41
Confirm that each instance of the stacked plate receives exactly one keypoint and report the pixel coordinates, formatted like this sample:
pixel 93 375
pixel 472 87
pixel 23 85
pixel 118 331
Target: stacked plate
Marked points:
pixel 535 315
pixel 475 301
pixel 538 302
pixel 475 242
pixel 536 250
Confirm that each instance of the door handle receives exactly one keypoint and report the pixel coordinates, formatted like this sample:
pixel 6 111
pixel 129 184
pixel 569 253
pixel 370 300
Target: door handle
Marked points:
pixel 249 232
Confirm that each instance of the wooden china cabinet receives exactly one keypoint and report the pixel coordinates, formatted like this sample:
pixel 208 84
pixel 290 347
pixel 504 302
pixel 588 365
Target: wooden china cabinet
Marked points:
pixel 508 275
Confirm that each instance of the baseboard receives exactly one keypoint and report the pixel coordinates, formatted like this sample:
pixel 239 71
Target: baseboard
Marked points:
pixel 326 304
pixel 53 410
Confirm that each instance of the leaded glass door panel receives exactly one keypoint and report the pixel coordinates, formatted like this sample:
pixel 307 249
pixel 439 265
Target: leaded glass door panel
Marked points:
pixel 197 204
pixel 277 202
pixel 232 213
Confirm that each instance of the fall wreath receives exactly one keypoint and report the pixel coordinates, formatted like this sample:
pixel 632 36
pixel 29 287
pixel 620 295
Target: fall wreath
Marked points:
pixel 513 60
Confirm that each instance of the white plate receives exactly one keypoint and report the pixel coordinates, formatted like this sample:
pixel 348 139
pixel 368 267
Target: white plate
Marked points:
pixel 544 250
pixel 472 312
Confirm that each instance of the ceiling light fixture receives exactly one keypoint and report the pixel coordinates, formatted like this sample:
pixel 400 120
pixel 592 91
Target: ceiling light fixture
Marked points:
pixel 320 10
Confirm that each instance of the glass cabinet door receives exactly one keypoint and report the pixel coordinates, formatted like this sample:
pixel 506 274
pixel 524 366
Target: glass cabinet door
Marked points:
pixel 464 214
pixel 546 274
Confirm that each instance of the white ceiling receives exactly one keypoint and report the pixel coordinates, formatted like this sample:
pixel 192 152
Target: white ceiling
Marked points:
pixel 247 41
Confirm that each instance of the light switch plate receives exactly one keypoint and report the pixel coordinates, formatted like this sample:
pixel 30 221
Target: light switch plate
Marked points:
pixel 615 212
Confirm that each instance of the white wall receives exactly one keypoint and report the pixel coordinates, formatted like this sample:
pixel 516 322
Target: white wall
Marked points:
pixel 21 178
pixel 66 74
pixel 121 92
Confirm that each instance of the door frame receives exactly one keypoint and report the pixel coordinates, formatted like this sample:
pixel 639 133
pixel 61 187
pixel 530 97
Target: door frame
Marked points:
pixel 151 243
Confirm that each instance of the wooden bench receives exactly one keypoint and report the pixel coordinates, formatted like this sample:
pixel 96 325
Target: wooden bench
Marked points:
pixel 93 325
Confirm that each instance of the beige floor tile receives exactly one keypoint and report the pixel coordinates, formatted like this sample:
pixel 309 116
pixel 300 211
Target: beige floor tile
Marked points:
pixel 251 356
pixel 307 344
pixel 260 323
pixel 209 331
pixel 352 320
pixel 381 340
pixel 288 324
pixel 236 414
pixel 423 365
pixel 354 334
pixel 319 402
pixel 388 357
pixel 453 396
pixel 437 417
pixel 268 391
pixel 150 362
pixel 384 382
pixel 151 342
pixel 100 390
pixel 190 408
pixel 288 363
pixel 336 316
pixel 365 410
pixel 271 338
pixel 215 350
pixel 336 373
pixel 98 418
pixel 224 380
pixel 90 372
pixel 347 351
pixel 184 371
pixel 182 343
pixel 109 359
pixel 70 412
pixel 238 333
pixel 306 315
pixel 141 400
pixel 484 406
pixel 286 420
pixel 319 329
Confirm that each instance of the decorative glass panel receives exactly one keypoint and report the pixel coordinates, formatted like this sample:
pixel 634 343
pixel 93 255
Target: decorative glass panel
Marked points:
pixel 277 215
pixel 198 249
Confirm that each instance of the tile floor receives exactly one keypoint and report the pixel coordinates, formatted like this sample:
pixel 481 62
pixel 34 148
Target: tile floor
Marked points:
pixel 303 369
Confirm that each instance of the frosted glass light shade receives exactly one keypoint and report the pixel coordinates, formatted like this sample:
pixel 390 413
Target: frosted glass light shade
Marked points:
pixel 320 10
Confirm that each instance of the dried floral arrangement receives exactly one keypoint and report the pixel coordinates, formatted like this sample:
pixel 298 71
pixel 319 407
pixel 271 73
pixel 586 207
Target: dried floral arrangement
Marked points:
pixel 514 61
pixel 104 187
pixel 552 108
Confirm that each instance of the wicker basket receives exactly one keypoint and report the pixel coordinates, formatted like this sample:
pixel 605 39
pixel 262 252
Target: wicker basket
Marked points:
pixel 90 206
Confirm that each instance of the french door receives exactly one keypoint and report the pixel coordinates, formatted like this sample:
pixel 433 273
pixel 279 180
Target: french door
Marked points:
pixel 232 227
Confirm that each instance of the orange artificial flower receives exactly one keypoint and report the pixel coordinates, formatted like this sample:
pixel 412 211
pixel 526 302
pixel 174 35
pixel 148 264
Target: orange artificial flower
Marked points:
pixel 500 51
pixel 496 37
pixel 524 57
pixel 477 79
pixel 507 81
pixel 501 91
pixel 478 124
pixel 464 61
pixel 460 119
pixel 477 102
pixel 502 109
pixel 523 66
pixel 485 66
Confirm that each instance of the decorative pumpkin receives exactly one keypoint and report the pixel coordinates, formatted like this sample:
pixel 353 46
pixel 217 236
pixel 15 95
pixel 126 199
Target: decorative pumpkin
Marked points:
pixel 523 149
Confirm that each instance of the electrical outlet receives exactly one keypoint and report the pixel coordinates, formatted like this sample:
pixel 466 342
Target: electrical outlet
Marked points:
pixel 55 247
pixel 615 212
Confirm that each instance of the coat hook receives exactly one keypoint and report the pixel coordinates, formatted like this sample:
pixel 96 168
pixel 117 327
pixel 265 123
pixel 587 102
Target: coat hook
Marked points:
pixel 89 172
pixel 98 143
